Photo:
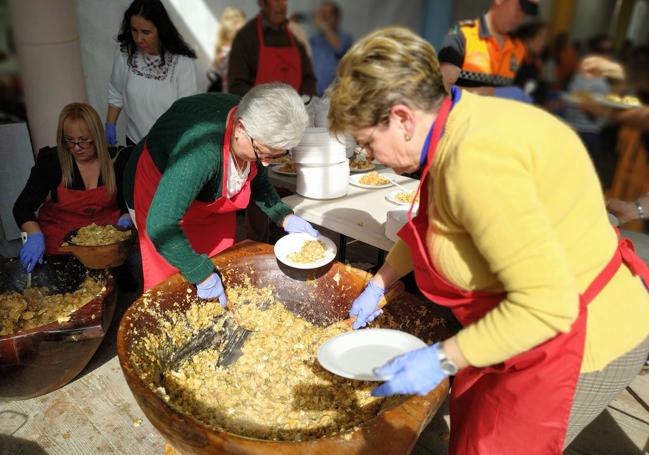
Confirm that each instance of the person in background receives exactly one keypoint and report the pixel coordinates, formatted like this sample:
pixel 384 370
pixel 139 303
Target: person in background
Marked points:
pixel 70 186
pixel 153 66
pixel 529 77
pixel 512 235
pixel 204 159
pixel 298 32
pixel 231 21
pixel 265 50
pixel 481 56
pixel 329 44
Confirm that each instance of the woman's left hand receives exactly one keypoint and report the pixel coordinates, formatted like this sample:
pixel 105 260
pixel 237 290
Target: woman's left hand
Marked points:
pixel 125 221
pixel 294 224
pixel 416 372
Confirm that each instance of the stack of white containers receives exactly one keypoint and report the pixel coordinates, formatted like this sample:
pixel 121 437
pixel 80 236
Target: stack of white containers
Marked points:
pixel 320 158
pixel 322 166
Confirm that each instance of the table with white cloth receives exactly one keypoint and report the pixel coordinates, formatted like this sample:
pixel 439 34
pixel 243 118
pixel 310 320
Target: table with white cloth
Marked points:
pixel 360 215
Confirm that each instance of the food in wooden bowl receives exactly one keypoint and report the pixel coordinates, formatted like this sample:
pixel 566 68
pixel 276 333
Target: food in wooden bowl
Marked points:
pixel 43 347
pixel 275 399
pixel 100 247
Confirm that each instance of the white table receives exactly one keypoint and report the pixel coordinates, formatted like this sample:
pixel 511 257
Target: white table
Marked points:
pixel 361 214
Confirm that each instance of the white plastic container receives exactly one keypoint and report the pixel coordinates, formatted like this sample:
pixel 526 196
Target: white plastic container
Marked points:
pixel 322 181
pixel 319 147
pixel 395 220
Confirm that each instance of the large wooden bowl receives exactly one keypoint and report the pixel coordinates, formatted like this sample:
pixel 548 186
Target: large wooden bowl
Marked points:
pixel 42 359
pixel 325 298
pixel 101 256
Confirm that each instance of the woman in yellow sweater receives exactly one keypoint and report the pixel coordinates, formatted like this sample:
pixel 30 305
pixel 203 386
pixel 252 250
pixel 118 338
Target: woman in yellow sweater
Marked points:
pixel 513 236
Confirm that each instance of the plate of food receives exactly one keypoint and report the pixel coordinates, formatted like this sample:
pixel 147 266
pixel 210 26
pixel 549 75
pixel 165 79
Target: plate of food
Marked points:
pixel 401 197
pixel 287 168
pixel 360 165
pixel 302 251
pixel 372 180
pixel 356 354
pixel 618 102
pixel 280 160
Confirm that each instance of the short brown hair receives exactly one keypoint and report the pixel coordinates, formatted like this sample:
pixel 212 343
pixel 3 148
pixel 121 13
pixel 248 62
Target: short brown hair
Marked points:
pixel 389 66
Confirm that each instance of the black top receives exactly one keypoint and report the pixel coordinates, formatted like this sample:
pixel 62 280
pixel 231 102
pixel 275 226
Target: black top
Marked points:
pixel 244 57
pixel 46 176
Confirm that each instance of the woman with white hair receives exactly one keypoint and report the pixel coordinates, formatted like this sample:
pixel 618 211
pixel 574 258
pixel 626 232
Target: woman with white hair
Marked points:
pixel 203 160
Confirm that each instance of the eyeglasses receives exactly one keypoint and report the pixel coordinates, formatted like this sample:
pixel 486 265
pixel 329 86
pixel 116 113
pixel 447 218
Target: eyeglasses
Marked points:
pixel 259 154
pixel 366 147
pixel 83 144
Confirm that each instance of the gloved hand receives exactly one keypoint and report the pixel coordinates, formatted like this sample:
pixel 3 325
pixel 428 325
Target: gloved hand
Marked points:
pixel 212 288
pixel 364 307
pixel 32 251
pixel 415 372
pixel 295 224
pixel 111 133
pixel 512 92
pixel 125 221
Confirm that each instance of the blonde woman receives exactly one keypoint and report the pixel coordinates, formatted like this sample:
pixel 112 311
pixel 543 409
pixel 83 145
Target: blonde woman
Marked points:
pixel 512 235
pixel 232 20
pixel 70 186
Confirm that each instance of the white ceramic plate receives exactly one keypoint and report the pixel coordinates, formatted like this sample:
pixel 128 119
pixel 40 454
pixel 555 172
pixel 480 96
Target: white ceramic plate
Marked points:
pixel 356 354
pixel 355 180
pixel 277 170
pixel 392 197
pixel 358 169
pixel 292 243
pixel 280 160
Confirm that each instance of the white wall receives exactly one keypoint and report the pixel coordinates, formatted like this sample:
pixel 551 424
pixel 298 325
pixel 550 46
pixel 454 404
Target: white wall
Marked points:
pixel 197 21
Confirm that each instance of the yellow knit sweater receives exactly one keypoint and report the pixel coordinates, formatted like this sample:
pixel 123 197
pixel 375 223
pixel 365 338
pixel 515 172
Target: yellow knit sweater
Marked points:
pixel 516 207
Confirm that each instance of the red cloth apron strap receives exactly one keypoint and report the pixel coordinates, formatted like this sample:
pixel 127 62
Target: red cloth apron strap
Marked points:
pixel 523 404
pixel 278 64
pixel 75 209
pixel 209 227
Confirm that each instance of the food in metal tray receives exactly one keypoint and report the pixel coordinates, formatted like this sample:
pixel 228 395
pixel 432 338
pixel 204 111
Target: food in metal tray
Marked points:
pixel 35 307
pixel 310 251
pixel 97 235
pixel 373 178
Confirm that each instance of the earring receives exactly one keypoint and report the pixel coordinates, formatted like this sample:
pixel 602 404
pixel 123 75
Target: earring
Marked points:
pixel 407 137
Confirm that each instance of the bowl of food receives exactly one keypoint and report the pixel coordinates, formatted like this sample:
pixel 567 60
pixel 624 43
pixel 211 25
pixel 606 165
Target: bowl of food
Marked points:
pixel 50 331
pixel 100 246
pixel 276 398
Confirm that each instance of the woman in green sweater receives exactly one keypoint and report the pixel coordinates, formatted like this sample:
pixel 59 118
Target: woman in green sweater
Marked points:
pixel 197 166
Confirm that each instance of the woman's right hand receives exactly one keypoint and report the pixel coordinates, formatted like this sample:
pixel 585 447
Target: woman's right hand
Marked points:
pixel 212 288
pixel 32 251
pixel 623 210
pixel 364 307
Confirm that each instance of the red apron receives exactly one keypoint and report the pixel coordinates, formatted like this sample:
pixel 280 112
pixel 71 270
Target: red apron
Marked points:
pixel 209 227
pixel 523 404
pixel 75 209
pixel 278 64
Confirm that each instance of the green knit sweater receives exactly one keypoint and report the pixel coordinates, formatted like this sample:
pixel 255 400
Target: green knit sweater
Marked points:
pixel 186 145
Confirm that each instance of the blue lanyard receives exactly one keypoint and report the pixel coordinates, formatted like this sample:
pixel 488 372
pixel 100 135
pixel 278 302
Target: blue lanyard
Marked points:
pixel 455 97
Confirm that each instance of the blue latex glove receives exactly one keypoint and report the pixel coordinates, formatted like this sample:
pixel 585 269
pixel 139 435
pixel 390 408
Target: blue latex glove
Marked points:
pixel 416 372
pixel 364 307
pixel 111 133
pixel 512 92
pixel 125 221
pixel 32 251
pixel 295 224
pixel 212 288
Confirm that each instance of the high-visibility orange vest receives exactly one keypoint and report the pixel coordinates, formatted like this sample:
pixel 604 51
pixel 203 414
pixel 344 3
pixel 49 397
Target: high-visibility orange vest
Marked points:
pixel 485 62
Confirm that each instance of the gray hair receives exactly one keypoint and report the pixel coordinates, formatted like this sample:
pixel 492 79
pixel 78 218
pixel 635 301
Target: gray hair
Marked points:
pixel 274 115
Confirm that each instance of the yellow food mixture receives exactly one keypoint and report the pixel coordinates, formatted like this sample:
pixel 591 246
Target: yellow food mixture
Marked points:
pixel 96 235
pixel 310 251
pixel 373 178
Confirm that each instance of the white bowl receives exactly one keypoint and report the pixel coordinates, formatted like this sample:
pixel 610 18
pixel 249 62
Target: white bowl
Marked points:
pixel 322 181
